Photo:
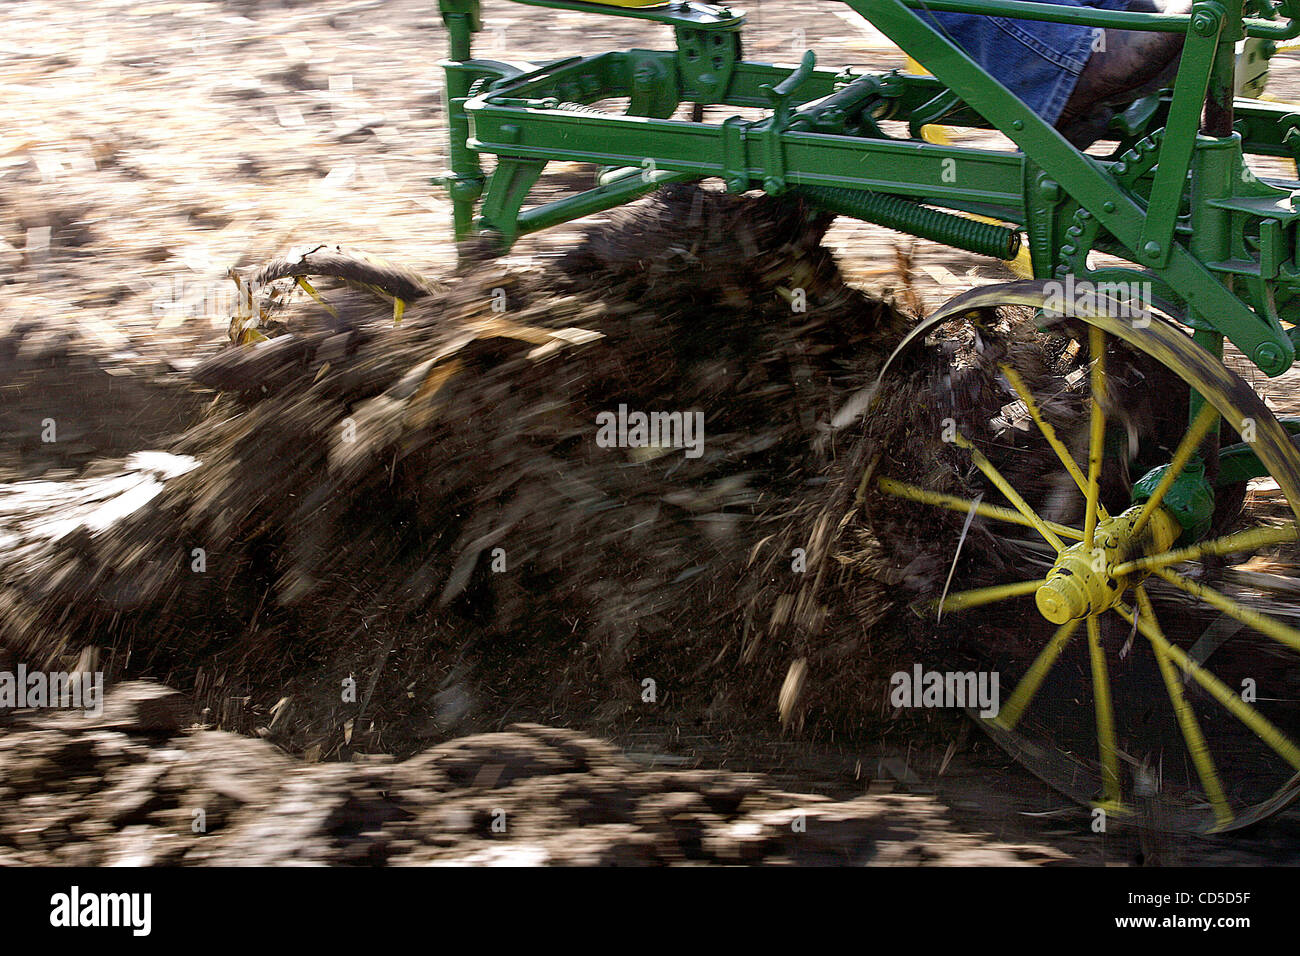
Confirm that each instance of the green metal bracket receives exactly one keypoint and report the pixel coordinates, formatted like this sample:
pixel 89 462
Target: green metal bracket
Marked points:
pixel 1239 462
pixel 655 91
pixel 1155 245
pixel 706 59
pixel 1190 498
pixel 847 111
pixel 769 132
pixel 507 190
pixel 735 168
pixel 933 112
pixel 1044 219
pixel 614 192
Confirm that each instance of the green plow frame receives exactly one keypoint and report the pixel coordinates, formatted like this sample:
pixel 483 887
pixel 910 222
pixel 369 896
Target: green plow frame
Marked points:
pixel 1175 205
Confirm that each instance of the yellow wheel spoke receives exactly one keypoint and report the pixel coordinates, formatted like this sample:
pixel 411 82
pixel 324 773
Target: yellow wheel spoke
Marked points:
pixel 1191 730
pixel 1242 541
pixel 902 489
pixel 995 476
pixel 1220 691
pixel 1205 419
pixel 1249 616
pixel 1048 431
pixel 1096 432
pixel 998 592
pixel 1021 697
pixel 1107 749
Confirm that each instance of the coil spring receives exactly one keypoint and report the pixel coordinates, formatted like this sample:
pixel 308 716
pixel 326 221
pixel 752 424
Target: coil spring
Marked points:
pixel 578 108
pixel 905 215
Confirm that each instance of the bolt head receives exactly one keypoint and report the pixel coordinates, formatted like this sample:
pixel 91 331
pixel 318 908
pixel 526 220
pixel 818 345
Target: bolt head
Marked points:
pixel 1268 356
pixel 1055 605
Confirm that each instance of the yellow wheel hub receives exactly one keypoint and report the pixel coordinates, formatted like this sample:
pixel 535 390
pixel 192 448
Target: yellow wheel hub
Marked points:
pixel 1082 582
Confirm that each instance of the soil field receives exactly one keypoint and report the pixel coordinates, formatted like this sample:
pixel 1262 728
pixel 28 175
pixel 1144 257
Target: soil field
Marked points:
pixel 151 147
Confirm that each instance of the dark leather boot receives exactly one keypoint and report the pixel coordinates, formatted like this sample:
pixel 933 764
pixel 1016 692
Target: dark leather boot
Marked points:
pixel 1133 64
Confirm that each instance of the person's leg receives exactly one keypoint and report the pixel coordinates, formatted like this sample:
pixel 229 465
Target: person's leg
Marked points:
pixel 1130 64
pixel 1068 74
pixel 1037 61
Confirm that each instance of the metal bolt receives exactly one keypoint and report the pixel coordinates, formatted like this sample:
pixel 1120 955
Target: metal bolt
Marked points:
pixel 1268 356
pixel 1151 250
pixel 1204 24
pixel 1108 206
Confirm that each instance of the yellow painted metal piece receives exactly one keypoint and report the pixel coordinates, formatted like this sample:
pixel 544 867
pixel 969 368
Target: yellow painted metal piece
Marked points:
pixel 1221 692
pixel 1021 697
pixel 1049 432
pixel 1266 625
pixel 998 592
pixel 1083 581
pixel 1197 748
pixel 931 134
pixel 995 476
pixel 1022 265
pixel 1205 419
pixel 1242 541
pixel 1105 713
pixel 902 489
pixel 1096 431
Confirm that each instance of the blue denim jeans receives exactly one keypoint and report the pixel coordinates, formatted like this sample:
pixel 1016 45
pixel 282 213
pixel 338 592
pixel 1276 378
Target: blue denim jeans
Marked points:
pixel 1038 62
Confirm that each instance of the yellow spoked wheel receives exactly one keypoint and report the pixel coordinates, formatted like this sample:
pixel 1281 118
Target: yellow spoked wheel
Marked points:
pixel 1145 667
